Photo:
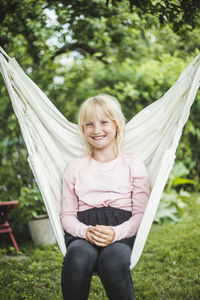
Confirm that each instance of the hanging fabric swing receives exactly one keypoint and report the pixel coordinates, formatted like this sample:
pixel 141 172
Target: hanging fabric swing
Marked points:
pixel 52 141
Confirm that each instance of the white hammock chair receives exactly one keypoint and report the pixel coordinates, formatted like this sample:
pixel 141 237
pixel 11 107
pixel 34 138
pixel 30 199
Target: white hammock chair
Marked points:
pixel 52 141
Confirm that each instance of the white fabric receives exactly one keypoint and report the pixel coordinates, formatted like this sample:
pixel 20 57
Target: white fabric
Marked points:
pixel 52 141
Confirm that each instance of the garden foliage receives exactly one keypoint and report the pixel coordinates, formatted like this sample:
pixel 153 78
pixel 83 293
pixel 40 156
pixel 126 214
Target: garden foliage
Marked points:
pixel 76 51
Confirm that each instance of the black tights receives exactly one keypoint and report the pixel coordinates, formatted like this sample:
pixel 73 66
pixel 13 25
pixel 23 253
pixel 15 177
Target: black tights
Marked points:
pixel 112 263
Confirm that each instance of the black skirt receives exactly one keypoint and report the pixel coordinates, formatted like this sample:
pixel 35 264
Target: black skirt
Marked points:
pixel 109 216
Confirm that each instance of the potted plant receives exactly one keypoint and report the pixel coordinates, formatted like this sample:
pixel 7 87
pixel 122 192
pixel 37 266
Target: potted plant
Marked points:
pixel 32 210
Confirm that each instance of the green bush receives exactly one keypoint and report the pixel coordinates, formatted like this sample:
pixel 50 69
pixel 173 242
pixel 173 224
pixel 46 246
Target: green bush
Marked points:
pixel 31 205
pixel 175 198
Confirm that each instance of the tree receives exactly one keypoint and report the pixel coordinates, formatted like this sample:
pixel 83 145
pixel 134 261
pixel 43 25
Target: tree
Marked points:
pixel 179 14
pixel 97 28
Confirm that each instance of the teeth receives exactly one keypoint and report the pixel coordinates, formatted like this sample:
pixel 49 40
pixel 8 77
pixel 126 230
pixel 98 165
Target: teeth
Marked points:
pixel 98 137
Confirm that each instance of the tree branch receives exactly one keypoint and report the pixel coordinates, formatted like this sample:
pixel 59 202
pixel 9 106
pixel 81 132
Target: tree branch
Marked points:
pixel 80 47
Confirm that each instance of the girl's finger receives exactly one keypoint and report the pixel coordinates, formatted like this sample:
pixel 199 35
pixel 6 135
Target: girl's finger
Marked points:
pixel 98 233
pixel 95 238
pixel 100 244
pixel 104 229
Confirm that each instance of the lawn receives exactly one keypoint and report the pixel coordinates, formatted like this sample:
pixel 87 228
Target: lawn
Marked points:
pixel 169 267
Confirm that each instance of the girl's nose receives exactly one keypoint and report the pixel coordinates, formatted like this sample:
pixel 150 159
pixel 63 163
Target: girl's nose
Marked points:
pixel 97 128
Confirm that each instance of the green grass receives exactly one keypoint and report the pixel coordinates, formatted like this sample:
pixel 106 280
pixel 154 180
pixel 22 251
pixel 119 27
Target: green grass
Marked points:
pixel 168 269
pixel 170 265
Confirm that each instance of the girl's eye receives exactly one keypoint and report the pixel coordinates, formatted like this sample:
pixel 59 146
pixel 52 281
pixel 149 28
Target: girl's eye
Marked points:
pixel 88 124
pixel 104 122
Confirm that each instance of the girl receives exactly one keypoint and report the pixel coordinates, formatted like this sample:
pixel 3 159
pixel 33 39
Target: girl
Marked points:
pixel 103 200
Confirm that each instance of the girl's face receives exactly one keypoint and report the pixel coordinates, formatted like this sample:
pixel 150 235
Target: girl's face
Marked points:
pixel 100 131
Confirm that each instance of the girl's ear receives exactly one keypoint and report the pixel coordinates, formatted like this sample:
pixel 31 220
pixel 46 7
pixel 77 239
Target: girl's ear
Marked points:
pixel 116 131
pixel 116 126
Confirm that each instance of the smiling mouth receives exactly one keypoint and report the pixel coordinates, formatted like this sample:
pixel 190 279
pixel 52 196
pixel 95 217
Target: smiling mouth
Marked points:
pixel 97 138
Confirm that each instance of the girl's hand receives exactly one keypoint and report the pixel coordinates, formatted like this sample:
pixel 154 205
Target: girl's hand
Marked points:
pixel 102 235
pixel 88 235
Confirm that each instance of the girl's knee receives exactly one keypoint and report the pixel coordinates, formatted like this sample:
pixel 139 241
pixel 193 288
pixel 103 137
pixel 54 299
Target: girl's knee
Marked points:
pixel 114 259
pixel 80 256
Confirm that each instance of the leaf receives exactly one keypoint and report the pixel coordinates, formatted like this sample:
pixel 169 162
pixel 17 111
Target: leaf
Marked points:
pixel 34 214
pixel 181 181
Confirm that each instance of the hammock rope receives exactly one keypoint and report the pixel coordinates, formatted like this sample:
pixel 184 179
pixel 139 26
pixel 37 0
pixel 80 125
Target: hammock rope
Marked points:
pixel 52 141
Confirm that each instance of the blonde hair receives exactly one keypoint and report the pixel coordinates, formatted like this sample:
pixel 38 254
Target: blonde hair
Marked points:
pixel 111 109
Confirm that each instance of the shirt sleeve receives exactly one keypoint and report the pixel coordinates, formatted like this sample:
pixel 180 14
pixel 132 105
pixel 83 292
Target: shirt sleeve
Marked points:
pixel 69 207
pixel 140 196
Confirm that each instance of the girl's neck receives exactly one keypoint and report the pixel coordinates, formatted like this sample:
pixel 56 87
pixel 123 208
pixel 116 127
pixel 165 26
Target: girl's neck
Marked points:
pixel 104 156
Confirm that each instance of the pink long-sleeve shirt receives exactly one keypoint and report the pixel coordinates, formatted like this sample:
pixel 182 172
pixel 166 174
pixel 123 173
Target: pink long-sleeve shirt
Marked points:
pixel 120 183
